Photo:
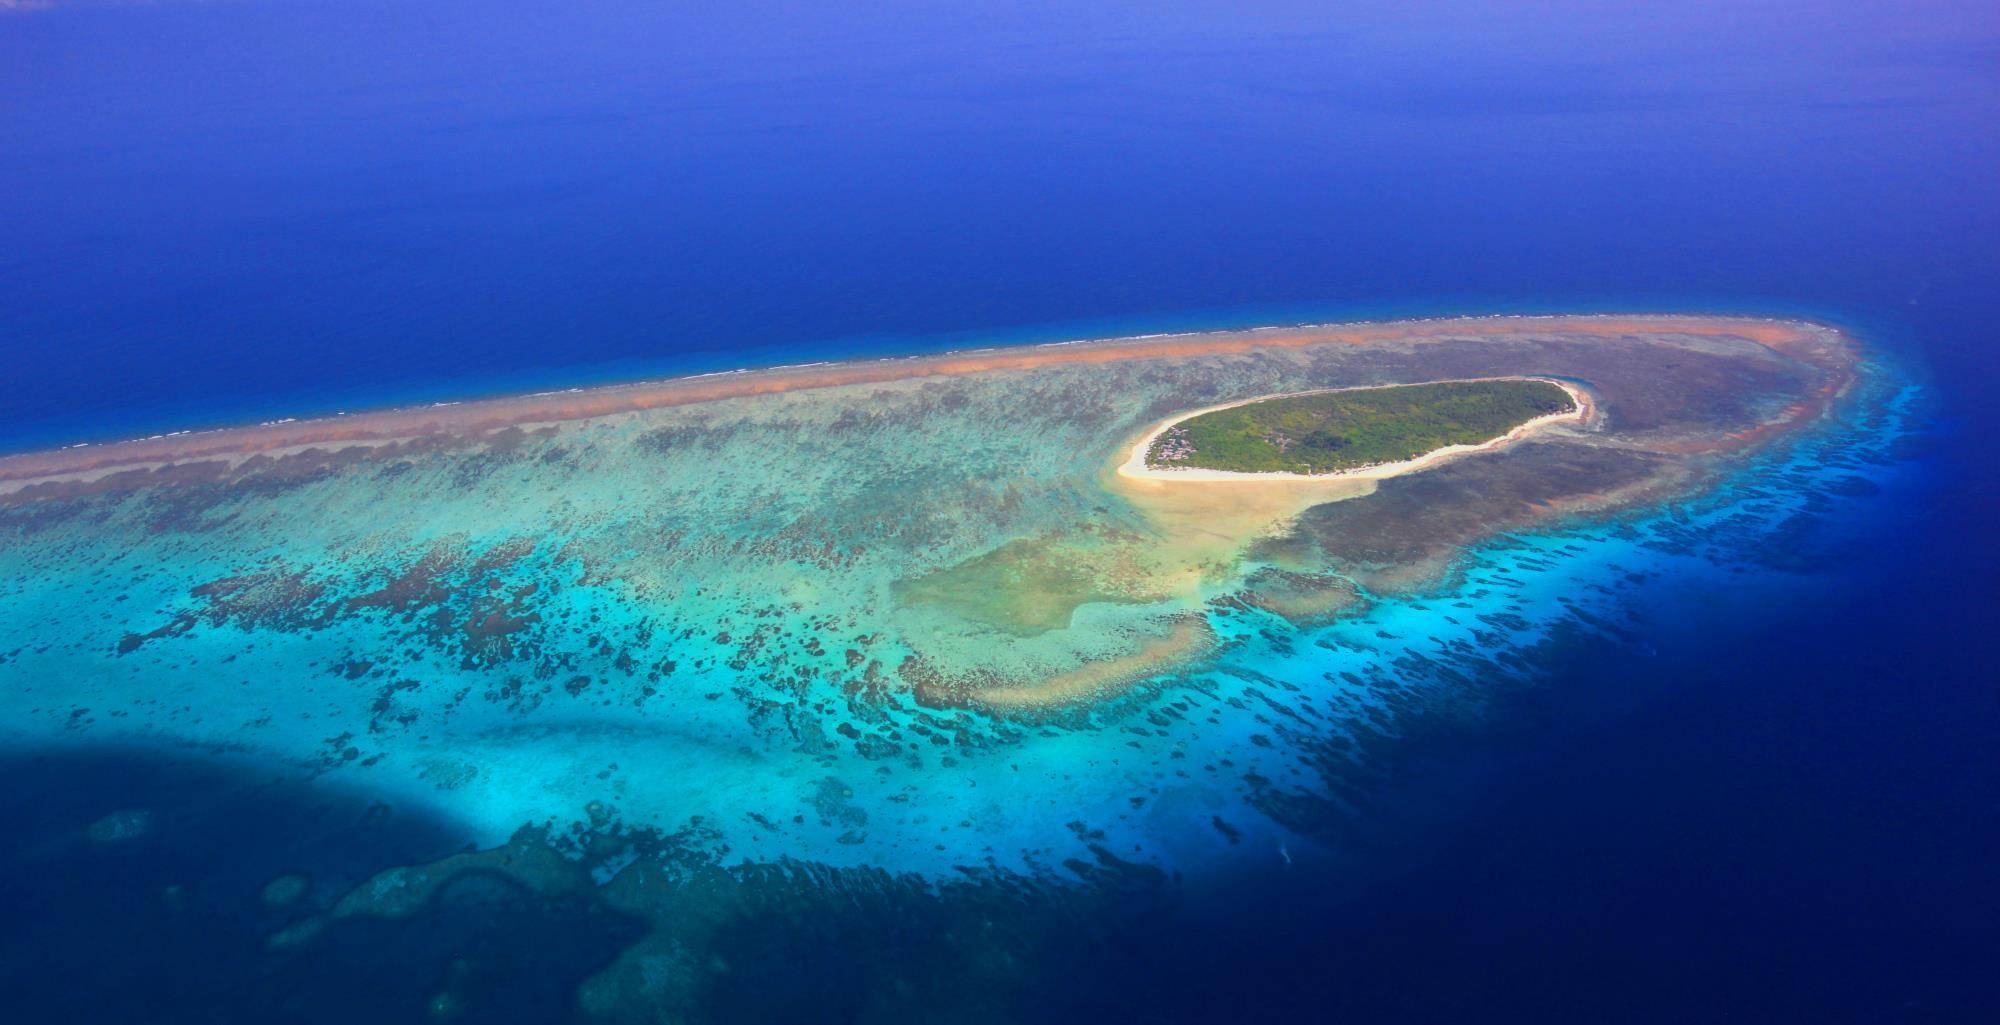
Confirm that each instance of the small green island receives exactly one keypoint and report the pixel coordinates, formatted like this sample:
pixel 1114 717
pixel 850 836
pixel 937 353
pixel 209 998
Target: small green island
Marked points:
pixel 1332 431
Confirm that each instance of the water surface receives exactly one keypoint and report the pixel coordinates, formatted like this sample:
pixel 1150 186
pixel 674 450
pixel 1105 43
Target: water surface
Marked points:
pixel 1765 795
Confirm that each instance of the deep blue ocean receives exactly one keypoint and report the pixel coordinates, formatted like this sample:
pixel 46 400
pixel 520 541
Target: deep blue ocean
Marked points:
pixel 247 209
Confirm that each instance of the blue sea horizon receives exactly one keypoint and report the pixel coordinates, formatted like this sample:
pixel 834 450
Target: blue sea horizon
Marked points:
pixel 1769 795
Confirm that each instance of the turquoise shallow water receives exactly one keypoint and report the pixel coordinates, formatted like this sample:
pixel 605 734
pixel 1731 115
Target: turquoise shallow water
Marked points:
pixel 608 701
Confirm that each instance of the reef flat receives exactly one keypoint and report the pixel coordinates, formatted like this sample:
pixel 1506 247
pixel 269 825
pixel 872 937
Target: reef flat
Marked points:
pixel 902 613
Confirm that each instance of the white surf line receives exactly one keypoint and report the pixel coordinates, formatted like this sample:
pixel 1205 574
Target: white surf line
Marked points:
pixel 1135 466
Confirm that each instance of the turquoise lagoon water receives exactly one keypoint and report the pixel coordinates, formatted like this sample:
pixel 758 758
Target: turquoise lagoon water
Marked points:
pixel 1272 756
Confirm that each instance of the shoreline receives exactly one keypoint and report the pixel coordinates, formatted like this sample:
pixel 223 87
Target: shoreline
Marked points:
pixel 273 439
pixel 1135 468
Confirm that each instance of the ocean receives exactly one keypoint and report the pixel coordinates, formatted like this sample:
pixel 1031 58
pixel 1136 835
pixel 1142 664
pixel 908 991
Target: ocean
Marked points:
pixel 1769 796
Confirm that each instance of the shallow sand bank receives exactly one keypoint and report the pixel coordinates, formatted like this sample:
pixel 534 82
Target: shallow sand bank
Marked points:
pixel 1187 640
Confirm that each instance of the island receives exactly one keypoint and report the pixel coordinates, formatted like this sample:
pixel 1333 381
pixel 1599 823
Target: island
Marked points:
pixel 1342 430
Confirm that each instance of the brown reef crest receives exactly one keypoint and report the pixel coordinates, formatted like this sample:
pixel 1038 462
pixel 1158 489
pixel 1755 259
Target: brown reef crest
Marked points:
pixel 223 452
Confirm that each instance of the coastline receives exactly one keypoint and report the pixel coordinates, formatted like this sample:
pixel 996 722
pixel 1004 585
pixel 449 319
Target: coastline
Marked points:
pixel 225 447
pixel 1135 467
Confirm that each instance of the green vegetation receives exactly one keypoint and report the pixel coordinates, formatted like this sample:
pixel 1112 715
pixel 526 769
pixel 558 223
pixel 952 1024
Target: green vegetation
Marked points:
pixel 1327 432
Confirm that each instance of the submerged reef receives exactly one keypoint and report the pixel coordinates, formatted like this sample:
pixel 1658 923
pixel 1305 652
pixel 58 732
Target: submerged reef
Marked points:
pixel 903 613
pixel 862 689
